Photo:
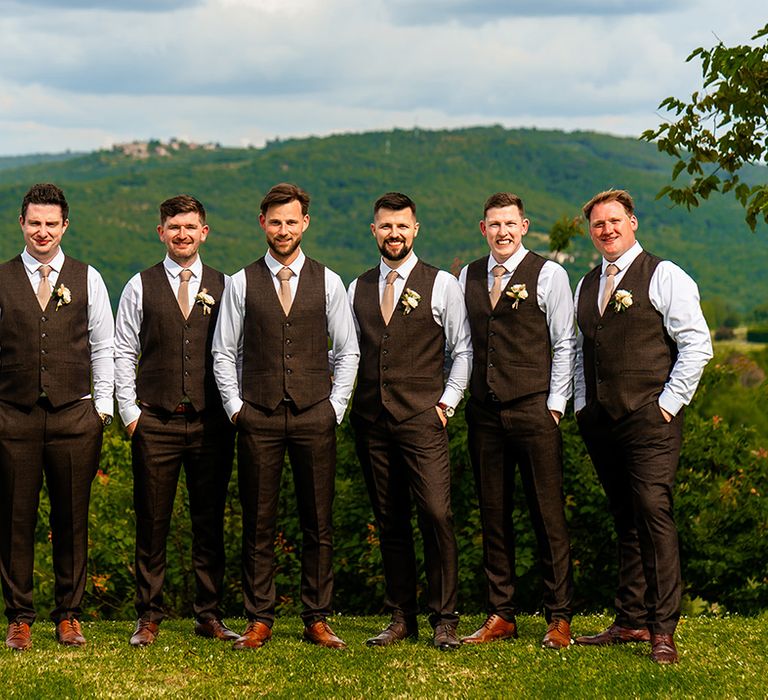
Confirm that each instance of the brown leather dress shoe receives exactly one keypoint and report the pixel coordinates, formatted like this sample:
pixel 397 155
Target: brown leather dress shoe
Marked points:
pixel 215 629
pixel 321 634
pixel 445 638
pixel 145 634
pixel 615 634
pixel 19 636
pixel 493 629
pixel 256 635
pixel 663 650
pixel 69 634
pixel 396 631
pixel 558 635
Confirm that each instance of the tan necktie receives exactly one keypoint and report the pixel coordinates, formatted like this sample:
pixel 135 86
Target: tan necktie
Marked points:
pixel 610 283
pixel 498 272
pixel 286 300
pixel 44 288
pixel 388 298
pixel 183 295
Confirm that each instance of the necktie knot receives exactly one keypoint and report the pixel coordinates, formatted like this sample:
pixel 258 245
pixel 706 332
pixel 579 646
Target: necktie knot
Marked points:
pixel 45 270
pixel 392 275
pixel 284 274
pixel 611 270
pixel 498 270
pixel 185 275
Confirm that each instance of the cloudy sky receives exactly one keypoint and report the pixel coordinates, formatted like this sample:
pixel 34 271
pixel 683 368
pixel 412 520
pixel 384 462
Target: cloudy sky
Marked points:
pixel 82 74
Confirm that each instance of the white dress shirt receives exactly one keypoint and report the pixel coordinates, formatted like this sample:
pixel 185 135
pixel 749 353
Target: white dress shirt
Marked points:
pixel 101 326
pixel 228 337
pixel 448 311
pixel 676 297
pixel 130 316
pixel 553 295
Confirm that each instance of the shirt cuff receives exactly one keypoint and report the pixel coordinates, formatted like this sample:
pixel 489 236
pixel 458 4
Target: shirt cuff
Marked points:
pixel 233 406
pixel 670 403
pixel 130 414
pixel 105 406
pixel 450 397
pixel 556 402
pixel 339 410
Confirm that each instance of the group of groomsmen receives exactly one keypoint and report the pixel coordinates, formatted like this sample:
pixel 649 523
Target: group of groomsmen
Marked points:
pixel 200 362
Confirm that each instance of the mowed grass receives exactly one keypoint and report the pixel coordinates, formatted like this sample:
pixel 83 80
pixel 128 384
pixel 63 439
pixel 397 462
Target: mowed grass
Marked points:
pixel 720 658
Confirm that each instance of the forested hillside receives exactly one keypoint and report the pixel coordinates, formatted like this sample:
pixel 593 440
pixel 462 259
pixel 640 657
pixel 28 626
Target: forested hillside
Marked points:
pixel 114 200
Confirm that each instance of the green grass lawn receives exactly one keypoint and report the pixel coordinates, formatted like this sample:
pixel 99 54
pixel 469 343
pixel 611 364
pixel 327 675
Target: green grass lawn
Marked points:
pixel 720 658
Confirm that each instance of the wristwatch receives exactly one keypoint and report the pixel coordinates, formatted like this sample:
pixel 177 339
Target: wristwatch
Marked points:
pixel 447 410
pixel 106 419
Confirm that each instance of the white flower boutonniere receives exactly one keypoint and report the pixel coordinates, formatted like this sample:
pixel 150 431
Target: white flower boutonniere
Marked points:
pixel 410 300
pixel 622 300
pixel 63 294
pixel 518 292
pixel 205 300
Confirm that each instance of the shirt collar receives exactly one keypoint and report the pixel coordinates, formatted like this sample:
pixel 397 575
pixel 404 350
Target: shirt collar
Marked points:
pixel 32 264
pixel 403 271
pixel 511 263
pixel 174 269
pixel 275 266
pixel 625 260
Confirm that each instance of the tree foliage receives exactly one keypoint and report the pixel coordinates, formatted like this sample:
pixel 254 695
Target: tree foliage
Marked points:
pixel 722 130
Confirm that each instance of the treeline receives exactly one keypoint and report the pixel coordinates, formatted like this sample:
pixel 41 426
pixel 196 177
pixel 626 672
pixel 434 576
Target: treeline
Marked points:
pixel 721 511
pixel 114 200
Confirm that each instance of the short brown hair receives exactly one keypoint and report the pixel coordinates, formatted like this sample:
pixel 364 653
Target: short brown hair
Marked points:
pixel 284 193
pixel 503 199
pixel 621 196
pixel 395 201
pixel 45 193
pixel 181 204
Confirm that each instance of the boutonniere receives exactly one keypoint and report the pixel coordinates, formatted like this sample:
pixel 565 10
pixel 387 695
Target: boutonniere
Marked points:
pixel 63 294
pixel 410 300
pixel 205 300
pixel 518 292
pixel 622 300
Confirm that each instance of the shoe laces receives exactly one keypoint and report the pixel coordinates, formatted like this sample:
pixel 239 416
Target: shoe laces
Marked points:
pixel 558 625
pixel 17 629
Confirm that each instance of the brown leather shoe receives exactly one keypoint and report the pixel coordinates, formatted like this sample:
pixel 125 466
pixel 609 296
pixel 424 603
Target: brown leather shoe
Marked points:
pixel 616 634
pixel 19 636
pixel 558 635
pixel 663 650
pixel 396 631
pixel 321 634
pixel 256 635
pixel 445 638
pixel 145 634
pixel 215 629
pixel 493 629
pixel 69 634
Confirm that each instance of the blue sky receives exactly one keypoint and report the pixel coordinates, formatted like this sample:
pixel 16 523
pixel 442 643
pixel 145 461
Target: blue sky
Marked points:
pixel 82 75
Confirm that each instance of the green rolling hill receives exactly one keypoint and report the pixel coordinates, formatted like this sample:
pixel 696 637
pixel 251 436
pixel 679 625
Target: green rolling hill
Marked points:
pixel 114 198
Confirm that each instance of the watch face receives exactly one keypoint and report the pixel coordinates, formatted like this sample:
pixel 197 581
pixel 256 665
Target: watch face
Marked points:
pixel 449 411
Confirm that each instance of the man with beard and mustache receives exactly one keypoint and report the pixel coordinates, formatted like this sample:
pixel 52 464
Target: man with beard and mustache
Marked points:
pixel 171 408
pixel 408 315
pixel 271 363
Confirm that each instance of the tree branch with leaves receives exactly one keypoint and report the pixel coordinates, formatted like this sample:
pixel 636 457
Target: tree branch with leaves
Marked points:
pixel 723 129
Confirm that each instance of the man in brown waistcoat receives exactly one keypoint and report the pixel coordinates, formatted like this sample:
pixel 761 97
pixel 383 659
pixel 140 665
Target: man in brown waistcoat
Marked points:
pixel 408 314
pixel 171 408
pixel 642 346
pixel 271 364
pixel 523 341
pixel 56 338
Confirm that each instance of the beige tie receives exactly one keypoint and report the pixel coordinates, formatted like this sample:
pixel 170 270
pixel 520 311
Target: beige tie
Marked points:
pixel 498 272
pixel 610 282
pixel 183 295
pixel 284 293
pixel 388 298
pixel 44 288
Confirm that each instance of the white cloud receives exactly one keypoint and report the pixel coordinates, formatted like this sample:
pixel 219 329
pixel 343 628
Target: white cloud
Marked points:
pixel 77 76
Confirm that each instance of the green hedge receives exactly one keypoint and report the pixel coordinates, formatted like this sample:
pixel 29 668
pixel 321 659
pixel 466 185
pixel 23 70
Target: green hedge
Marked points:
pixel 721 511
